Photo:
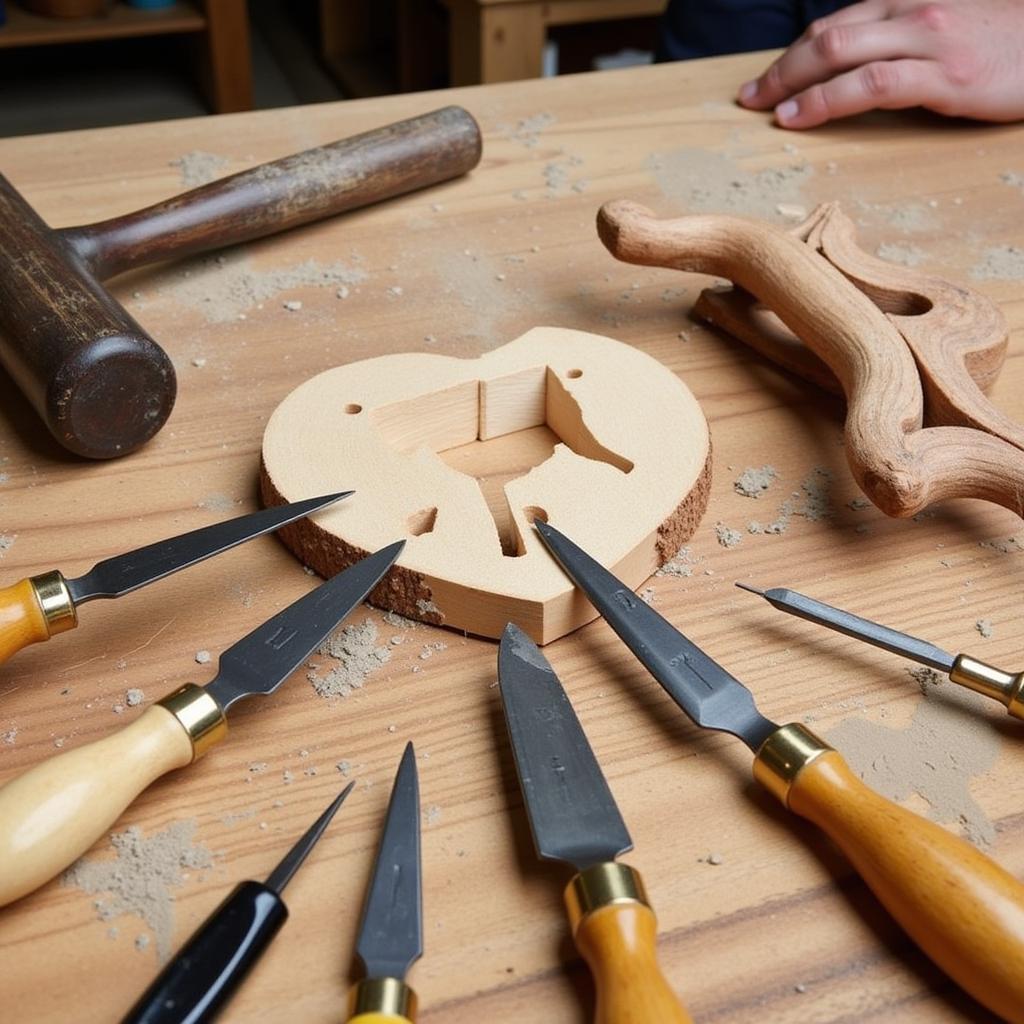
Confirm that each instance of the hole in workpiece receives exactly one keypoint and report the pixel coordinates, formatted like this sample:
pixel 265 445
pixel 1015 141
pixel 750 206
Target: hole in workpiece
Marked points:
pixel 515 547
pixel 497 431
pixel 352 408
pixel 421 522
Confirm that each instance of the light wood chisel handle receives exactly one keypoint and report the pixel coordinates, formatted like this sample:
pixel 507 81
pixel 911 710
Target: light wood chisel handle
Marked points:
pixel 54 812
pixel 616 933
pixel 960 907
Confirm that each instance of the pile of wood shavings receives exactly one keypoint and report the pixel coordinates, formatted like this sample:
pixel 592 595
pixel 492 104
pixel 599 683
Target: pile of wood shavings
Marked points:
pixel 355 649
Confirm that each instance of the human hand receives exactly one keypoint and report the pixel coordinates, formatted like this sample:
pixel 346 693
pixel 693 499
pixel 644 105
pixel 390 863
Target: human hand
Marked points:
pixel 963 59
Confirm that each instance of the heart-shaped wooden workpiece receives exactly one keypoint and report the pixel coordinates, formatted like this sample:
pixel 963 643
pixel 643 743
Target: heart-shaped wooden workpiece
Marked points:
pixel 460 455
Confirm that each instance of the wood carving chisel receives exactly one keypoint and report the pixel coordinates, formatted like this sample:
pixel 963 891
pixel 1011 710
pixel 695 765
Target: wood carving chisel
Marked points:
pixel 574 819
pixel 960 907
pixel 1005 687
pixel 391 932
pixel 194 987
pixel 39 607
pixel 58 809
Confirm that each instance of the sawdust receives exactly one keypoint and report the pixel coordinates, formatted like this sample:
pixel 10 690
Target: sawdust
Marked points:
pixel 140 879
pixel 984 627
pixel 10 736
pixel 225 286
pixel 944 746
pixel 400 621
pixel 6 540
pixel 134 697
pixel 432 814
pixel 907 217
pixel 753 482
pixel 924 677
pixel 1004 546
pixel 813 501
pixel 355 649
pixel 727 536
pixel 697 179
pixel 526 131
pixel 202 657
pixel 681 564
pixel 218 503
pixel 198 168
pixel 1013 179
pixel 1000 263
pixel 904 255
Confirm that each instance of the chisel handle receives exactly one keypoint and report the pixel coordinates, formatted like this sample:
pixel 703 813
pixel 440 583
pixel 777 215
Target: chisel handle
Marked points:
pixel 33 610
pixel 196 984
pixel 959 906
pixel 54 812
pixel 379 1018
pixel 616 932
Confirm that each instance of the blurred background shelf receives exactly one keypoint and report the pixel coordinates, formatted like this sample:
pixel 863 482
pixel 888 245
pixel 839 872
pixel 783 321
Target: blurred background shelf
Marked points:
pixel 23 28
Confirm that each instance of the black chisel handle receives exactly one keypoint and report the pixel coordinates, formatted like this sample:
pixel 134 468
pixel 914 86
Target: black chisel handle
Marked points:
pixel 197 983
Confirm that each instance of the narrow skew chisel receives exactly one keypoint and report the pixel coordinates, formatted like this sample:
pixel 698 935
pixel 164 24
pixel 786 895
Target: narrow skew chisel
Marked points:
pixel 1005 687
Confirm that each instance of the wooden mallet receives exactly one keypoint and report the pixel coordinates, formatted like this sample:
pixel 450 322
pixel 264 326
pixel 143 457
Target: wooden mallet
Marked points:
pixel 101 384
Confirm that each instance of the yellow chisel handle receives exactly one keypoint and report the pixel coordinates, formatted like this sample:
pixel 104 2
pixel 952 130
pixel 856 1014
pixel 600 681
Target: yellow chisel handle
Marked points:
pixel 33 610
pixel 616 931
pixel 382 1001
pixel 54 812
pixel 959 906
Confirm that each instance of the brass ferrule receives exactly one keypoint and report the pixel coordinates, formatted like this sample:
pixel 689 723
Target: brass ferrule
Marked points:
pixel 783 755
pixel 1005 687
pixel 199 715
pixel 601 886
pixel 390 997
pixel 55 601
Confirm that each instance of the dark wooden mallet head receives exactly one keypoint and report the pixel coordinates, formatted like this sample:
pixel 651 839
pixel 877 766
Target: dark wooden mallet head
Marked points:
pixel 101 384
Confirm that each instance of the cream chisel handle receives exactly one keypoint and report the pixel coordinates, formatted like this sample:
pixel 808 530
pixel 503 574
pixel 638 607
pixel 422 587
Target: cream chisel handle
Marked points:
pixel 959 906
pixel 54 812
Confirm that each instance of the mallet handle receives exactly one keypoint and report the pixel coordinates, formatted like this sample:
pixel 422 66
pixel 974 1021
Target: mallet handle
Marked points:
pixel 318 183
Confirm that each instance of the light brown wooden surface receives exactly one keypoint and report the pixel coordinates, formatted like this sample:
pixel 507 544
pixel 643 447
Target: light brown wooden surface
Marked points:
pixel 777 927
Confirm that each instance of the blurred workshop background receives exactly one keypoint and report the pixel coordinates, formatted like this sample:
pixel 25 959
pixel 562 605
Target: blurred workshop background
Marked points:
pixel 84 63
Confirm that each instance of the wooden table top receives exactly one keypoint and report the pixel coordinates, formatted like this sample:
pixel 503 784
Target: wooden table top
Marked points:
pixel 774 926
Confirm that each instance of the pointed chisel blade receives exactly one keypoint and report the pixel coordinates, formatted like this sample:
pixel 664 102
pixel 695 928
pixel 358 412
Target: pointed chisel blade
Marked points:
pixel 263 660
pixel 822 614
pixel 133 569
pixel 711 696
pixel 391 933
pixel 573 815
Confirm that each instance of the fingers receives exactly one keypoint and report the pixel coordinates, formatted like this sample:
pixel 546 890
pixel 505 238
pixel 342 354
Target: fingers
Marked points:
pixel 832 50
pixel 888 85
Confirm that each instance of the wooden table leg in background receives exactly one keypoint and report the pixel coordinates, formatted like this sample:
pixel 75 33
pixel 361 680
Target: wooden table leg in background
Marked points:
pixel 495 42
pixel 227 74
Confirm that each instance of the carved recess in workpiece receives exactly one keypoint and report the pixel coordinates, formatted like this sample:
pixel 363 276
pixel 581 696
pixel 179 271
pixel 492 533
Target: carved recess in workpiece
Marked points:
pixel 460 456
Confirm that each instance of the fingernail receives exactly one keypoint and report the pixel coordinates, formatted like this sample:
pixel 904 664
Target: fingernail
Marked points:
pixel 787 110
pixel 748 91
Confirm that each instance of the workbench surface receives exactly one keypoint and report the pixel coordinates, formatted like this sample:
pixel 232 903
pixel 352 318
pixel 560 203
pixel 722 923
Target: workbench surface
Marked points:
pixel 760 919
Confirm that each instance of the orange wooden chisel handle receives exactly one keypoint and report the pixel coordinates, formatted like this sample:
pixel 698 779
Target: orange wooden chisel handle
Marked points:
pixel 22 621
pixel 618 943
pixel 960 907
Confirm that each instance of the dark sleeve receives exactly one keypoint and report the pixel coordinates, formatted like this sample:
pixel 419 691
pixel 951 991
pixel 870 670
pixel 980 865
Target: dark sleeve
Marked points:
pixel 707 28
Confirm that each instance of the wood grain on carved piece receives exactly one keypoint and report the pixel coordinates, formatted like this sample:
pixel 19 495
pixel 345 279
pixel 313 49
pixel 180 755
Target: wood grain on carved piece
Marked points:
pixel 460 455
pixel 905 348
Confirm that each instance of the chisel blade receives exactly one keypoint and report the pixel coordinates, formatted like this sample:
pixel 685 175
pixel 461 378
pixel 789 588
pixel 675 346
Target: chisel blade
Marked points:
pixel 572 813
pixel 391 933
pixel 888 639
pixel 261 661
pixel 712 697
pixel 133 569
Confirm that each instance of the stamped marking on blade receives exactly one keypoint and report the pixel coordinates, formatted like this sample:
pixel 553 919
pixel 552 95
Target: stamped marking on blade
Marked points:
pixel 625 598
pixel 277 641
pixel 691 665
pixel 548 713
